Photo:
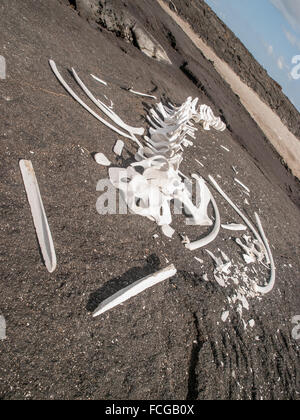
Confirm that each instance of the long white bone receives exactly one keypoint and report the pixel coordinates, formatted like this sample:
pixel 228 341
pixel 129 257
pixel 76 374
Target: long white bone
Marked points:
pixel 242 185
pixel 76 97
pixel 246 220
pixel 99 80
pixel 142 94
pixel 234 227
pixel 260 237
pixel 134 289
pixel 107 111
pixel 38 214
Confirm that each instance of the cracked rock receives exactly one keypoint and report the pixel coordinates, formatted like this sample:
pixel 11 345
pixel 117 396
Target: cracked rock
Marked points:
pixel 114 17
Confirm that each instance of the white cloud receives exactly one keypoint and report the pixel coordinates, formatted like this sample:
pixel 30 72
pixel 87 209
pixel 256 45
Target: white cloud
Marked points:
pixel 280 63
pixel 270 49
pixel 292 38
pixel 290 10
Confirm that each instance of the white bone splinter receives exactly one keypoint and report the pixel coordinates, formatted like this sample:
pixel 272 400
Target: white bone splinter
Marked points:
pixel 118 148
pixel 225 148
pixel 234 226
pixel 142 94
pixel 38 214
pixel 242 185
pixel 134 289
pixel 99 80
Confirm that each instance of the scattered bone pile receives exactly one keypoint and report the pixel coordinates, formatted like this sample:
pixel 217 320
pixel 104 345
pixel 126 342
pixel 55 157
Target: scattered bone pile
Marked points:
pixel 154 180
pixel 238 281
pixel 149 193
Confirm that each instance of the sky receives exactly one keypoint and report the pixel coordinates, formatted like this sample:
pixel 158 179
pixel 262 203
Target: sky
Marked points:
pixel 270 29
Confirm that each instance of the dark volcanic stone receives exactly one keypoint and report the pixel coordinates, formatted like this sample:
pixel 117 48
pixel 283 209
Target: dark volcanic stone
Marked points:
pixel 113 15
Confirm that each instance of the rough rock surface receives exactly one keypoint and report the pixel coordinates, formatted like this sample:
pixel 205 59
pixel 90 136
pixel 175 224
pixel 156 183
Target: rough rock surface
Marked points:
pixel 170 342
pixel 227 46
pixel 148 45
pixel 114 16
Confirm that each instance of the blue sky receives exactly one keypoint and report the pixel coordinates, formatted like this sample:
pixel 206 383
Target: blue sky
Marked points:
pixel 270 29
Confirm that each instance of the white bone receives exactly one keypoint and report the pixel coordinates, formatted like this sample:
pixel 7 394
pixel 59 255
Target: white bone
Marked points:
pixel 150 192
pixel 225 257
pixel 242 185
pixel 234 227
pixel 225 148
pixel 214 233
pixel 249 259
pixel 201 164
pixel 221 267
pixel 38 215
pixel 252 323
pixel 76 97
pixel 271 284
pixel 118 148
pixel 101 159
pixel 168 231
pixel 260 237
pixel 142 94
pixel 246 220
pixel 107 111
pixel 99 80
pixel 134 289
pixel 225 316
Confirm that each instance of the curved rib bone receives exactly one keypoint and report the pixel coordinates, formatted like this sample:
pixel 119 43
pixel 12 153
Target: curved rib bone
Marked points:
pixel 214 233
pixel 270 286
pixel 107 111
pixel 246 220
pixel 260 237
pixel 76 97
